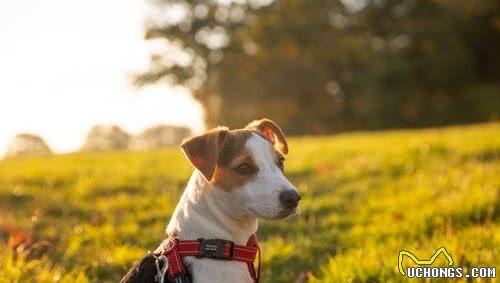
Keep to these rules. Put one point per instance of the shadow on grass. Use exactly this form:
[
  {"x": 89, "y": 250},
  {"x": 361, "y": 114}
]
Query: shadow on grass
[
  {"x": 12, "y": 200},
  {"x": 108, "y": 191},
  {"x": 41, "y": 182},
  {"x": 487, "y": 155}
]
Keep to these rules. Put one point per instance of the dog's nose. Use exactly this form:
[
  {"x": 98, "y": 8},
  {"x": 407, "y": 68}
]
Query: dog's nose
[{"x": 289, "y": 198}]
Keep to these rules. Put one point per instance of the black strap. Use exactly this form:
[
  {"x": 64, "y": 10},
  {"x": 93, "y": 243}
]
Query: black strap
[{"x": 145, "y": 271}]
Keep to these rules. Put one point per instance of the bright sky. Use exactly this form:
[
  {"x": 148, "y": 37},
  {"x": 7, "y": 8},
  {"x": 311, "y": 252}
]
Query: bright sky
[{"x": 64, "y": 67}]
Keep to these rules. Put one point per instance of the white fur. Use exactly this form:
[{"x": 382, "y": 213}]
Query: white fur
[{"x": 208, "y": 212}]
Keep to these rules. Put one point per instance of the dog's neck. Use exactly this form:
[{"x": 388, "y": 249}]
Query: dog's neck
[{"x": 198, "y": 215}]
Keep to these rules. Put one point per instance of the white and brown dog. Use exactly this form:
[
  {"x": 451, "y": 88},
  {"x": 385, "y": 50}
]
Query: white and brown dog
[{"x": 238, "y": 179}]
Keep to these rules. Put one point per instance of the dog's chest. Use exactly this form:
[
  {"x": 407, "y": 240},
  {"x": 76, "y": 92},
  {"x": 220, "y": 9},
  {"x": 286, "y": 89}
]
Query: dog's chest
[{"x": 209, "y": 270}]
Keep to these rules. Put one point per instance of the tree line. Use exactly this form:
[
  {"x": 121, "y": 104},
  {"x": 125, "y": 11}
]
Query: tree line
[{"x": 323, "y": 66}]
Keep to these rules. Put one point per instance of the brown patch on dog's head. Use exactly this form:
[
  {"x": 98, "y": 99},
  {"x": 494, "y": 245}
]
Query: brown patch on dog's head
[
  {"x": 221, "y": 157},
  {"x": 203, "y": 151},
  {"x": 272, "y": 132},
  {"x": 220, "y": 154},
  {"x": 236, "y": 165}
]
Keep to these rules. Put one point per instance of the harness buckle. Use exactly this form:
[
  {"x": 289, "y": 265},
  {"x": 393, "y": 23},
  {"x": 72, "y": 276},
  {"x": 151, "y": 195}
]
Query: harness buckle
[{"x": 214, "y": 248}]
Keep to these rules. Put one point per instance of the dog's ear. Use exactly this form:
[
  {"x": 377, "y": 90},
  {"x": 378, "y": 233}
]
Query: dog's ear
[
  {"x": 272, "y": 132},
  {"x": 203, "y": 151}
]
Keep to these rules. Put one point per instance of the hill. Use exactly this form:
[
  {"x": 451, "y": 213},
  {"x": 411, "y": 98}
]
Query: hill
[{"x": 86, "y": 217}]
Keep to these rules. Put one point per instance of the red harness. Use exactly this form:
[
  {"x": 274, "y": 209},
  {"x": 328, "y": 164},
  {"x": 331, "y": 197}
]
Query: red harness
[{"x": 175, "y": 249}]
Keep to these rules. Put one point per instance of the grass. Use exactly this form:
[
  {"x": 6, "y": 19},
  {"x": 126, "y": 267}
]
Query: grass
[{"x": 366, "y": 196}]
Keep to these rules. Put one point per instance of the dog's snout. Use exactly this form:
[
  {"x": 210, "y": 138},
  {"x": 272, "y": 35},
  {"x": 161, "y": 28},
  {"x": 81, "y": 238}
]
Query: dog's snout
[{"x": 289, "y": 198}]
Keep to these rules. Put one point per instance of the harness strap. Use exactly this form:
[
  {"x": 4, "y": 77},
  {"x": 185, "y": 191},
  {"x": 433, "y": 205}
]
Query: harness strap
[
  {"x": 252, "y": 242},
  {"x": 175, "y": 249}
]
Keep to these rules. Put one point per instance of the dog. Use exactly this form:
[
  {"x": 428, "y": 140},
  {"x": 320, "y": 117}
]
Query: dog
[{"x": 238, "y": 178}]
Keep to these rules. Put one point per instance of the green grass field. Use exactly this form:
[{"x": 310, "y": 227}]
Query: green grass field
[{"x": 366, "y": 196}]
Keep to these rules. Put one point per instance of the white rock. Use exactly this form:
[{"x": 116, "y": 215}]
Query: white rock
[
  {"x": 27, "y": 144},
  {"x": 106, "y": 138},
  {"x": 158, "y": 137}
]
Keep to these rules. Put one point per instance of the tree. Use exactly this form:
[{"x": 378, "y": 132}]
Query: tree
[{"x": 322, "y": 66}]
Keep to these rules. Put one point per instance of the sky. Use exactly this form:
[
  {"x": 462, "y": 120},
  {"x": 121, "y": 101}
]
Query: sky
[{"x": 65, "y": 66}]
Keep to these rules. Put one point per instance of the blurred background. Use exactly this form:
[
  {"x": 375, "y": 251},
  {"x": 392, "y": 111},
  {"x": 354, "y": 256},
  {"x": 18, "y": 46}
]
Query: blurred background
[
  {"x": 391, "y": 108},
  {"x": 333, "y": 66},
  {"x": 327, "y": 66}
]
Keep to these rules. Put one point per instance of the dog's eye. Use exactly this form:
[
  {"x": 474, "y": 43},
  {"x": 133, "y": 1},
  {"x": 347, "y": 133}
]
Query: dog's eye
[
  {"x": 245, "y": 168},
  {"x": 281, "y": 163}
]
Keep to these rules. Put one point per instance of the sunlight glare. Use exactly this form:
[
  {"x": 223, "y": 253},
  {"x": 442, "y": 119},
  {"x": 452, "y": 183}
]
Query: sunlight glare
[{"x": 65, "y": 67}]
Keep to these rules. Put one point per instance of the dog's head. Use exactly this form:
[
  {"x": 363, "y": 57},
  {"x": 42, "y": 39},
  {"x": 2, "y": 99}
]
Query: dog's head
[{"x": 245, "y": 167}]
